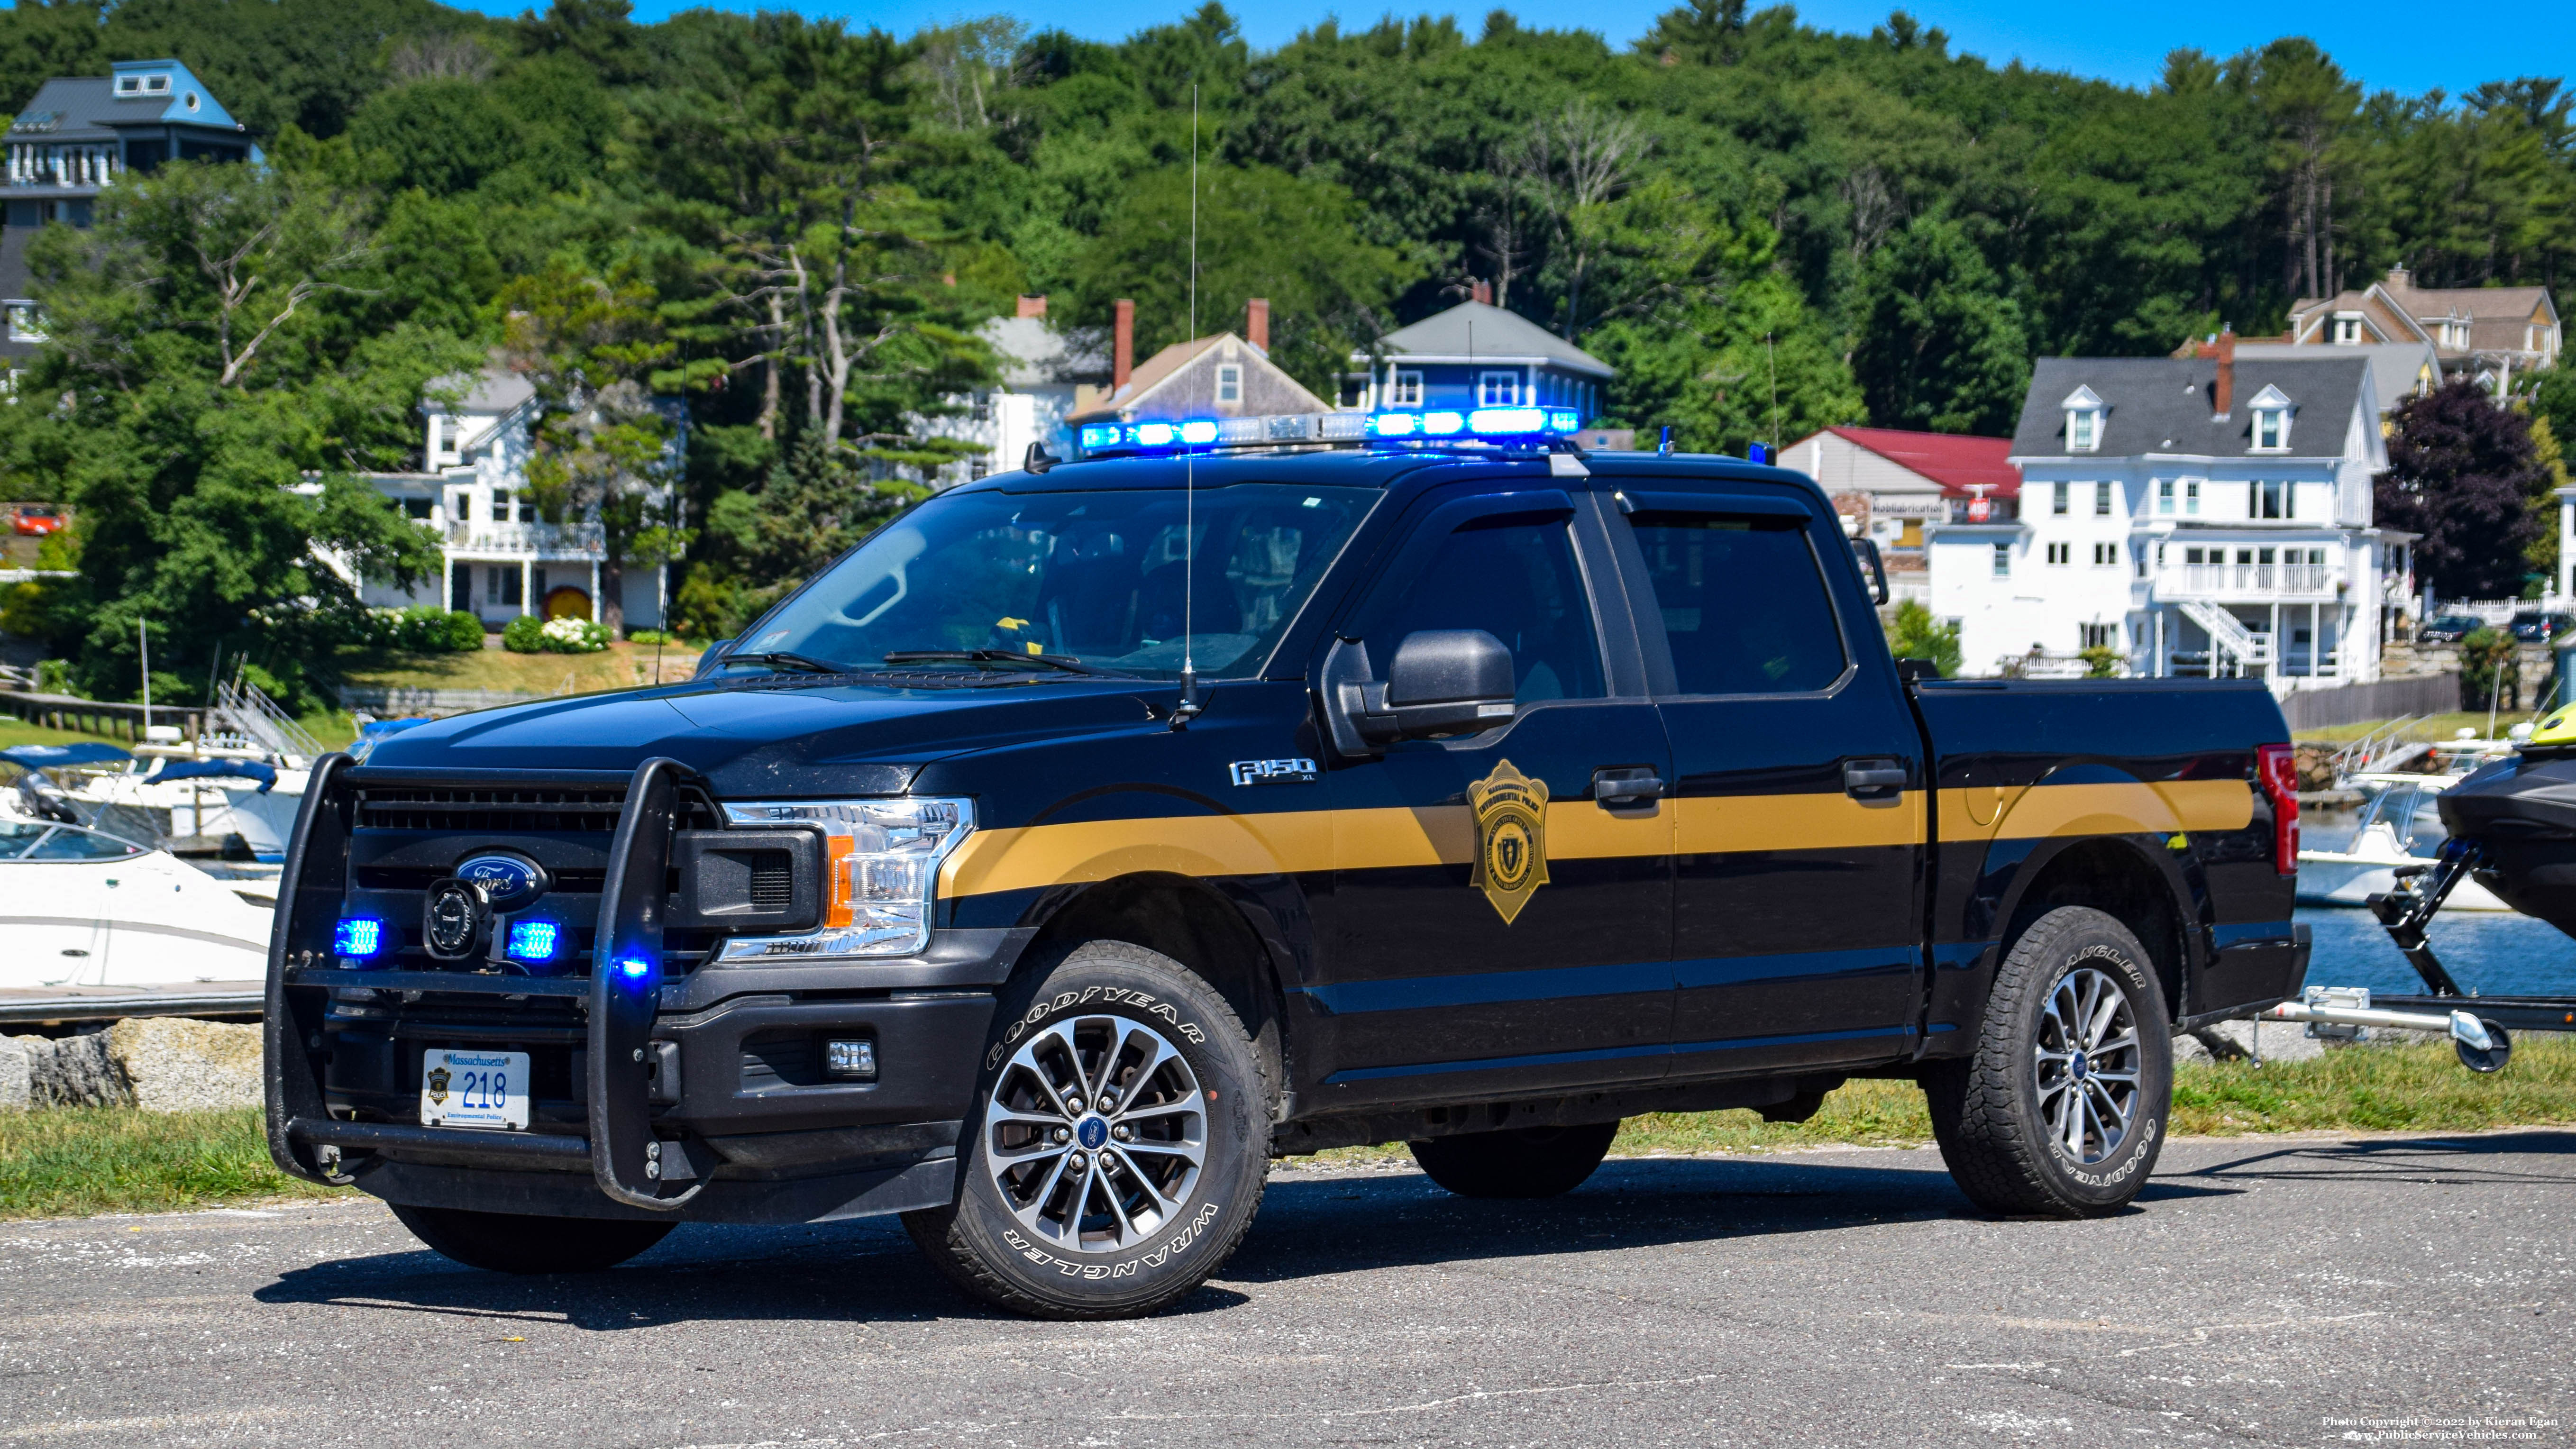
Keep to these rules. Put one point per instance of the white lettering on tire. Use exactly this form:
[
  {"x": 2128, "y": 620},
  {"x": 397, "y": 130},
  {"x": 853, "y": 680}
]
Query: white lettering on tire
[{"x": 1180, "y": 1242}]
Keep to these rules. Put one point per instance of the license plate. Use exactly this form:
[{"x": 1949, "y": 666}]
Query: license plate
[{"x": 473, "y": 1089}]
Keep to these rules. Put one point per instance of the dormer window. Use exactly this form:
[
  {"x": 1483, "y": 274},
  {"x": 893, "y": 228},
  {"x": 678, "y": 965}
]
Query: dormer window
[
  {"x": 2083, "y": 421},
  {"x": 2347, "y": 329},
  {"x": 129, "y": 85},
  {"x": 155, "y": 85},
  {"x": 2271, "y": 408}
]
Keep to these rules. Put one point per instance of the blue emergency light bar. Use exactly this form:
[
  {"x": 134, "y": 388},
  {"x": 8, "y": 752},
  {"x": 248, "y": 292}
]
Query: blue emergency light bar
[{"x": 1478, "y": 425}]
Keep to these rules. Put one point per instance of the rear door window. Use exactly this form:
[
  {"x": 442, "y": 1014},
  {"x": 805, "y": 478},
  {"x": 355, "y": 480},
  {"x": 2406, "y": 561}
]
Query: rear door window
[{"x": 1744, "y": 603}]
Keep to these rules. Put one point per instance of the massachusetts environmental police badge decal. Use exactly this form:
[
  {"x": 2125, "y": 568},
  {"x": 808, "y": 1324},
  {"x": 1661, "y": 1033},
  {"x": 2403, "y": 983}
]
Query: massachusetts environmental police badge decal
[{"x": 1511, "y": 838}]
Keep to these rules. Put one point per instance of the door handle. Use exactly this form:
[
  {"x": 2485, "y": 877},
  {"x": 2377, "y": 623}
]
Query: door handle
[
  {"x": 1626, "y": 785},
  {"x": 1869, "y": 777}
]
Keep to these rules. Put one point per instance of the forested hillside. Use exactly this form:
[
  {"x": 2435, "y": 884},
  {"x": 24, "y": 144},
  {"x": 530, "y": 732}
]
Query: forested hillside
[{"x": 800, "y": 224}]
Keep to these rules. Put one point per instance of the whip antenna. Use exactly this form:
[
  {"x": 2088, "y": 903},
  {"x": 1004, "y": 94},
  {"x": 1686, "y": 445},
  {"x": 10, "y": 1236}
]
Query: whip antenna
[{"x": 1189, "y": 705}]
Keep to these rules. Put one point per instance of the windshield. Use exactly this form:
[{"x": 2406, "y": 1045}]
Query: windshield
[{"x": 1094, "y": 577}]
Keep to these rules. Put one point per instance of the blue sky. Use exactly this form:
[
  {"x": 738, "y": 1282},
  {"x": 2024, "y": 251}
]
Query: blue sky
[{"x": 2386, "y": 46}]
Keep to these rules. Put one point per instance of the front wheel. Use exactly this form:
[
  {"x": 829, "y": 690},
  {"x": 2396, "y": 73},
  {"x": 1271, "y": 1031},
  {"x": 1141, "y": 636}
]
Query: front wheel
[
  {"x": 1120, "y": 1147},
  {"x": 2062, "y": 1109},
  {"x": 527, "y": 1243}
]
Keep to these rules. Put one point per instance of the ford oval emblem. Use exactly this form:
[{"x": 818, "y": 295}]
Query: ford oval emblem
[{"x": 508, "y": 881}]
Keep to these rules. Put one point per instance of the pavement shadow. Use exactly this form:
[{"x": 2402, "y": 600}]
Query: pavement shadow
[
  {"x": 865, "y": 1271},
  {"x": 1348, "y": 1224},
  {"x": 868, "y": 1272},
  {"x": 2433, "y": 1155}
]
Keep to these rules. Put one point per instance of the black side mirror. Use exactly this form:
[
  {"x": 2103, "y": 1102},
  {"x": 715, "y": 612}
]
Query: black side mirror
[
  {"x": 1441, "y": 682},
  {"x": 1873, "y": 572}
]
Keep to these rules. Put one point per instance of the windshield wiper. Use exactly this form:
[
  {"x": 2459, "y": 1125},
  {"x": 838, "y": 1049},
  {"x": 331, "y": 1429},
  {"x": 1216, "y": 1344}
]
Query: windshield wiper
[
  {"x": 786, "y": 662},
  {"x": 1066, "y": 662}
]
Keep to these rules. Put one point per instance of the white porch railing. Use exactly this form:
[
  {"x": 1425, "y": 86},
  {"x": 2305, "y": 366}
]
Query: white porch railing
[
  {"x": 559, "y": 540},
  {"x": 2284, "y": 581}
]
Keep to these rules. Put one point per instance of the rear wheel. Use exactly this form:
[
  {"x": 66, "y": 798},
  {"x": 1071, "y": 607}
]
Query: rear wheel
[
  {"x": 1523, "y": 1162},
  {"x": 525, "y": 1243},
  {"x": 2062, "y": 1109},
  {"x": 1120, "y": 1148}
]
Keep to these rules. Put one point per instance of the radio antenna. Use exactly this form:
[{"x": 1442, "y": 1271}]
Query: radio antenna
[{"x": 1189, "y": 706}]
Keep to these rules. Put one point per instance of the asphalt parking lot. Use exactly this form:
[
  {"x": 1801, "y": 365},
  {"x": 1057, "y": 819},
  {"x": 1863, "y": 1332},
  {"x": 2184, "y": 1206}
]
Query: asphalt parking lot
[{"x": 2264, "y": 1291}]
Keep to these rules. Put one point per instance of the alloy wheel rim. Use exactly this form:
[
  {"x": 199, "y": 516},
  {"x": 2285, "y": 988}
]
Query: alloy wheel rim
[
  {"x": 1096, "y": 1133},
  {"x": 2087, "y": 1063}
]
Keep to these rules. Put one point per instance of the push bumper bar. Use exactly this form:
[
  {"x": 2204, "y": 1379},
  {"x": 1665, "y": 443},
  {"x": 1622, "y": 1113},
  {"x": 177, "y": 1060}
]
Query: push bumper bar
[{"x": 626, "y": 1158}]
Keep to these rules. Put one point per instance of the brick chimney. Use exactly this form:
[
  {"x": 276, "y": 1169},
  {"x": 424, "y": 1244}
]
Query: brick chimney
[
  {"x": 1122, "y": 357},
  {"x": 1033, "y": 306},
  {"x": 2222, "y": 350},
  {"x": 1256, "y": 323},
  {"x": 1482, "y": 291},
  {"x": 2222, "y": 397}
]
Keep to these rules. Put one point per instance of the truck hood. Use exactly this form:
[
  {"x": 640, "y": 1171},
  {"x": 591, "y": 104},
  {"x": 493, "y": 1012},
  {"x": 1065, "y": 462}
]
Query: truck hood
[{"x": 778, "y": 740}]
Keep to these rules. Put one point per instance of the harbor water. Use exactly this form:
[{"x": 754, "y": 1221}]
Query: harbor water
[{"x": 2494, "y": 953}]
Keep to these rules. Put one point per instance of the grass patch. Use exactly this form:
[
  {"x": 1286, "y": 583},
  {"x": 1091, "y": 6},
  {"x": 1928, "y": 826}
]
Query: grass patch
[
  {"x": 14, "y": 731},
  {"x": 77, "y": 1161},
  {"x": 2433, "y": 727},
  {"x": 2361, "y": 1089},
  {"x": 620, "y": 666},
  {"x": 81, "y": 1161}
]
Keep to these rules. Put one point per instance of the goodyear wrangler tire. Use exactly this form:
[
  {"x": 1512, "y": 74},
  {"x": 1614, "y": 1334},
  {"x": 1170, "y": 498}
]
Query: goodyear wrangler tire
[
  {"x": 1118, "y": 1149},
  {"x": 526, "y": 1243},
  {"x": 2062, "y": 1109}
]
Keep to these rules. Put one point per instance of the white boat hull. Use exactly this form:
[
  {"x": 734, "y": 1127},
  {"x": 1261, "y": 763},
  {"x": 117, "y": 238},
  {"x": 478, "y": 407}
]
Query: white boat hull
[{"x": 145, "y": 920}]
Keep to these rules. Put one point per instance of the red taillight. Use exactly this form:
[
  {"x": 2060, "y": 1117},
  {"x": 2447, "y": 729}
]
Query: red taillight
[{"x": 2277, "y": 766}]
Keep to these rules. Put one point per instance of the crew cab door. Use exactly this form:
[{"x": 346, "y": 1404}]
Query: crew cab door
[
  {"x": 1799, "y": 817},
  {"x": 1461, "y": 967}
]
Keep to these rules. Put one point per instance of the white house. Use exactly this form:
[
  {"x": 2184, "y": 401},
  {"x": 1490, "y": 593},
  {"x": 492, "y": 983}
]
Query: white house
[
  {"x": 2208, "y": 515},
  {"x": 1889, "y": 485},
  {"x": 1040, "y": 373},
  {"x": 501, "y": 559}
]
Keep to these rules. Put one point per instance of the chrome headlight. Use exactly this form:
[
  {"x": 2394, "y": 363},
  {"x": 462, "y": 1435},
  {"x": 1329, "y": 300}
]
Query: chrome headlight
[{"x": 881, "y": 863}]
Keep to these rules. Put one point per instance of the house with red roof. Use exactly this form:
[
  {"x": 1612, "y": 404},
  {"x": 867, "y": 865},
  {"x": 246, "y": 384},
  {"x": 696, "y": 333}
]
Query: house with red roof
[{"x": 1887, "y": 484}]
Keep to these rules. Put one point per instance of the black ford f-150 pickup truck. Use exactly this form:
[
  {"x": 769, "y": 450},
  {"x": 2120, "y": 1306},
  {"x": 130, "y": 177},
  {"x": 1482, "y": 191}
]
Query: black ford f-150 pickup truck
[{"x": 1511, "y": 791}]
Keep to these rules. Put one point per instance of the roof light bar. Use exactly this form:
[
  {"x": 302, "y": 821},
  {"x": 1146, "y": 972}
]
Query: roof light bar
[{"x": 1499, "y": 425}]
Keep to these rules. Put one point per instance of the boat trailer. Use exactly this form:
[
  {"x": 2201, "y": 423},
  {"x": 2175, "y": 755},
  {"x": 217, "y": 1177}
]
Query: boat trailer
[{"x": 2480, "y": 1027}]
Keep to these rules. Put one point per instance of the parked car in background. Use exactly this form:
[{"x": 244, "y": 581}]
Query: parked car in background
[
  {"x": 35, "y": 520},
  {"x": 2448, "y": 629},
  {"x": 2533, "y": 626}
]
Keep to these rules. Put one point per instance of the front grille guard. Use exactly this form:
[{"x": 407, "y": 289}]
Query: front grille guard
[{"x": 626, "y": 1159}]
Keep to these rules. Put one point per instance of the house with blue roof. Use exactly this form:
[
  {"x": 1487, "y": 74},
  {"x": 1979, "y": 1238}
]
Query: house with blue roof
[
  {"x": 74, "y": 140},
  {"x": 1477, "y": 355}
]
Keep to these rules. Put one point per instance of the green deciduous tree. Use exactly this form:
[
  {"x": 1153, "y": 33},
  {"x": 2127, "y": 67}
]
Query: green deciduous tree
[
  {"x": 203, "y": 408},
  {"x": 1941, "y": 345},
  {"x": 1261, "y": 233}
]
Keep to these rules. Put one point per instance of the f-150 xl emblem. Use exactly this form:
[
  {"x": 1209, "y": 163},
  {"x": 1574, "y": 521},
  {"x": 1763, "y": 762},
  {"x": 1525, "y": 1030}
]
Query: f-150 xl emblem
[
  {"x": 1511, "y": 838},
  {"x": 1272, "y": 772}
]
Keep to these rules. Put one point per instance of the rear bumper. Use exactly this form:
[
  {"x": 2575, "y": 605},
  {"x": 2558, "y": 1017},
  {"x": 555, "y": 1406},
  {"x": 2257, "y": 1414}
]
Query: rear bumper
[{"x": 703, "y": 1097}]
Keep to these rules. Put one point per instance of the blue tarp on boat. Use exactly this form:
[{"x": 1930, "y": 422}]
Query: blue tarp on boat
[
  {"x": 170, "y": 770},
  {"x": 45, "y": 757}
]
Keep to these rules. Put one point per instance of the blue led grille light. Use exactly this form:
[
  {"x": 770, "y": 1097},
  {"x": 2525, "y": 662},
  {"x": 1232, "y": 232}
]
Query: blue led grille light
[
  {"x": 634, "y": 968},
  {"x": 535, "y": 940},
  {"x": 358, "y": 937}
]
